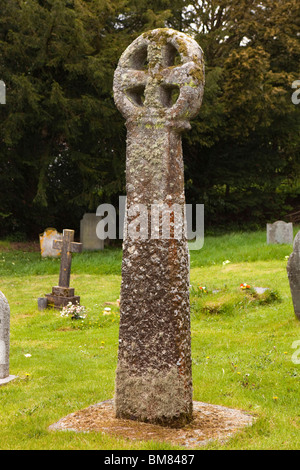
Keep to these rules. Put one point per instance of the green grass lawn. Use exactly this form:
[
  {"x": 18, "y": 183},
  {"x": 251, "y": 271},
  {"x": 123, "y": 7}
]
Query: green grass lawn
[{"x": 241, "y": 344}]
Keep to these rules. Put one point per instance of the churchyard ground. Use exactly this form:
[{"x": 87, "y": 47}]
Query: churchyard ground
[{"x": 243, "y": 345}]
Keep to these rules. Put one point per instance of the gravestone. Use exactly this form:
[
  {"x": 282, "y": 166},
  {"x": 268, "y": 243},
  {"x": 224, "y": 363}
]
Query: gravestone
[
  {"x": 158, "y": 87},
  {"x": 2, "y": 92},
  {"x": 4, "y": 340},
  {"x": 63, "y": 294},
  {"x": 280, "y": 232},
  {"x": 293, "y": 272},
  {"x": 88, "y": 235},
  {"x": 46, "y": 243}
]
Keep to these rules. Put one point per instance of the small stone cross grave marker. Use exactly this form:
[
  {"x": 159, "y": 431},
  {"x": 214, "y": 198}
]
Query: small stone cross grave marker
[
  {"x": 158, "y": 87},
  {"x": 293, "y": 272},
  {"x": 63, "y": 294}
]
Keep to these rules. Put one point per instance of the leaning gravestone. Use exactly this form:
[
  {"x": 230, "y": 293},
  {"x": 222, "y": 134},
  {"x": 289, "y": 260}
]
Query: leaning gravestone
[
  {"x": 158, "y": 87},
  {"x": 4, "y": 340},
  {"x": 46, "y": 243},
  {"x": 280, "y": 232},
  {"x": 62, "y": 294},
  {"x": 88, "y": 235},
  {"x": 293, "y": 271}
]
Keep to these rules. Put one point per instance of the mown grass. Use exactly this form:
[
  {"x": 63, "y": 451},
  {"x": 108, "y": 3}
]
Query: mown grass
[{"x": 241, "y": 344}]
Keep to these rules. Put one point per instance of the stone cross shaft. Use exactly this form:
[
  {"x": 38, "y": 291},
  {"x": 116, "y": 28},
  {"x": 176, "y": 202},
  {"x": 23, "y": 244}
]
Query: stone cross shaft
[
  {"x": 293, "y": 272},
  {"x": 63, "y": 294},
  {"x": 67, "y": 246},
  {"x": 158, "y": 87}
]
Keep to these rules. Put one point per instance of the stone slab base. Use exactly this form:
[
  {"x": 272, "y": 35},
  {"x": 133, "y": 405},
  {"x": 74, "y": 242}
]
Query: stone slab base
[
  {"x": 210, "y": 423},
  {"x": 57, "y": 301},
  {"x": 7, "y": 379}
]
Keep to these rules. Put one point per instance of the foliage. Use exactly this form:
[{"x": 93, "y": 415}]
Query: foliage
[
  {"x": 63, "y": 141},
  {"x": 243, "y": 152}
]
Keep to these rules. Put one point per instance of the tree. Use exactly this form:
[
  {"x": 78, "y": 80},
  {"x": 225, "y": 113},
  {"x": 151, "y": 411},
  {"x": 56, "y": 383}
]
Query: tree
[
  {"x": 57, "y": 59},
  {"x": 246, "y": 139},
  {"x": 62, "y": 140}
]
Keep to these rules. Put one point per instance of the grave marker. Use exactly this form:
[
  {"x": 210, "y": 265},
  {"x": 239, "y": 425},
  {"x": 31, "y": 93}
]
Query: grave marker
[
  {"x": 88, "y": 235},
  {"x": 2, "y": 92},
  {"x": 46, "y": 243},
  {"x": 63, "y": 294},
  {"x": 158, "y": 87},
  {"x": 4, "y": 340},
  {"x": 280, "y": 232}
]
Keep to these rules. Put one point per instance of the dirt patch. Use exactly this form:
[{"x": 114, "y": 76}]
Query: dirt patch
[{"x": 210, "y": 422}]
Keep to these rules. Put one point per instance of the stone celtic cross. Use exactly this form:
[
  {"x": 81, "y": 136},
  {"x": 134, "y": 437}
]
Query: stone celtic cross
[
  {"x": 62, "y": 294},
  {"x": 293, "y": 272},
  {"x": 158, "y": 87}
]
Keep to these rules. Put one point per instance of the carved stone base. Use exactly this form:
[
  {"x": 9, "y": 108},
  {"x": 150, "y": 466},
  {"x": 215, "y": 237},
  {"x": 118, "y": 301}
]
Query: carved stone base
[
  {"x": 61, "y": 296},
  {"x": 8, "y": 379}
]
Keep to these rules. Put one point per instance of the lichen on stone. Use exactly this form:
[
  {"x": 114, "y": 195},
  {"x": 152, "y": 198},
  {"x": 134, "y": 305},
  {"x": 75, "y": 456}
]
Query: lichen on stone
[
  {"x": 153, "y": 378},
  {"x": 159, "y": 397}
]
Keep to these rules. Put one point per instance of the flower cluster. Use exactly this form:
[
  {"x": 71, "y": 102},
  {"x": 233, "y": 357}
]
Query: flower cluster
[
  {"x": 73, "y": 310},
  {"x": 203, "y": 289},
  {"x": 244, "y": 286}
]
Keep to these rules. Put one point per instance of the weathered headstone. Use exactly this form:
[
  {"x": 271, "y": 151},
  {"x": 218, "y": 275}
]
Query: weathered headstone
[
  {"x": 46, "y": 243},
  {"x": 42, "y": 303},
  {"x": 280, "y": 232},
  {"x": 63, "y": 294},
  {"x": 158, "y": 87},
  {"x": 88, "y": 235},
  {"x": 293, "y": 272},
  {"x": 2, "y": 92},
  {"x": 4, "y": 340}
]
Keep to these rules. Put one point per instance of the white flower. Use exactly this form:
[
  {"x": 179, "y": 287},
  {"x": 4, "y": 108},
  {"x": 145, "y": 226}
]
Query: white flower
[
  {"x": 27, "y": 355},
  {"x": 75, "y": 310},
  {"x": 226, "y": 262}
]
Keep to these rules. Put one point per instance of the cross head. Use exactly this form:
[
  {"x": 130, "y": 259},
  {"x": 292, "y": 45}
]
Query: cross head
[{"x": 160, "y": 73}]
